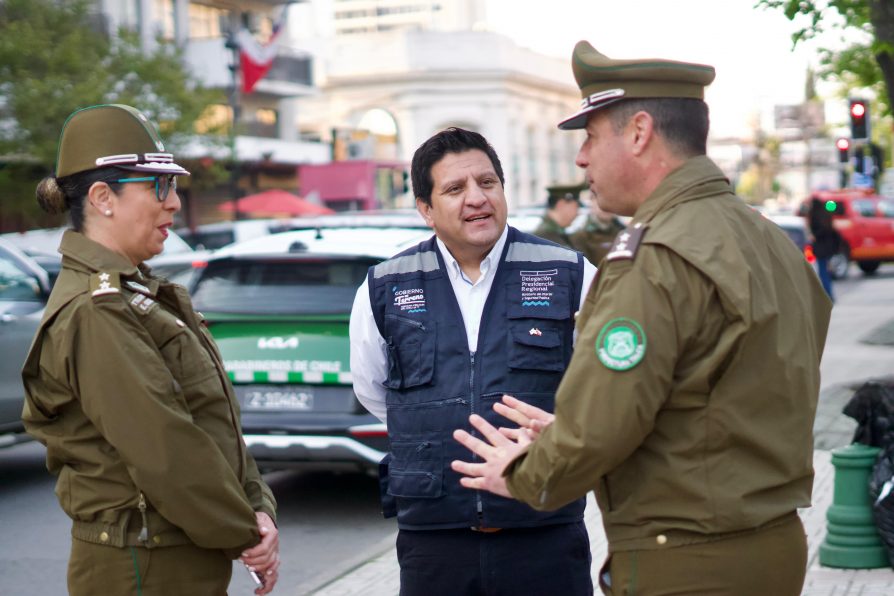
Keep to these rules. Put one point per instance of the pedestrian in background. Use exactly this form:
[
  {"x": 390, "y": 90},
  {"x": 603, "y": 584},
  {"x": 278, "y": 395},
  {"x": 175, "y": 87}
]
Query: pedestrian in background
[
  {"x": 562, "y": 206},
  {"x": 445, "y": 328},
  {"x": 597, "y": 235},
  {"x": 688, "y": 405},
  {"x": 826, "y": 241},
  {"x": 126, "y": 388}
]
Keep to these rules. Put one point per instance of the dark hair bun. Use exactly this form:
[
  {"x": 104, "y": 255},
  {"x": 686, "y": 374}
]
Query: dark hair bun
[{"x": 50, "y": 197}]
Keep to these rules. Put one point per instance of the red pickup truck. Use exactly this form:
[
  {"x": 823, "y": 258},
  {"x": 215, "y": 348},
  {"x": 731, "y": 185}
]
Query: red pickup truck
[{"x": 865, "y": 221}]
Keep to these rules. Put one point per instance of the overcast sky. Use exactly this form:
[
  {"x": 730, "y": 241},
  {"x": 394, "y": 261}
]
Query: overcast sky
[{"x": 750, "y": 48}]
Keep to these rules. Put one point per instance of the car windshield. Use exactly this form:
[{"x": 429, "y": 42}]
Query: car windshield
[
  {"x": 866, "y": 208},
  {"x": 15, "y": 284},
  {"x": 886, "y": 207},
  {"x": 280, "y": 286}
]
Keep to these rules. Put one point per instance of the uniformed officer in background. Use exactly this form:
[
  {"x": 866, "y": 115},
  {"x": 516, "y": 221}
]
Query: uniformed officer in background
[
  {"x": 689, "y": 403},
  {"x": 127, "y": 390},
  {"x": 597, "y": 235},
  {"x": 562, "y": 206}
]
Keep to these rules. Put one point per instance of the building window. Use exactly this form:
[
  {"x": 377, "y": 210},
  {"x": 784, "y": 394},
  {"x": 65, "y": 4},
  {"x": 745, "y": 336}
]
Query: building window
[
  {"x": 204, "y": 21},
  {"x": 265, "y": 116},
  {"x": 215, "y": 118},
  {"x": 163, "y": 17}
]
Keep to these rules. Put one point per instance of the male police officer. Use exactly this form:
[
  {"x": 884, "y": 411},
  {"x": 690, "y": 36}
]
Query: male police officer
[
  {"x": 444, "y": 329},
  {"x": 562, "y": 206},
  {"x": 688, "y": 405}
]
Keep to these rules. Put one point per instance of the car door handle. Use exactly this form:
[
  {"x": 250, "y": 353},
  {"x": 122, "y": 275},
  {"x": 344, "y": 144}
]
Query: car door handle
[{"x": 7, "y": 318}]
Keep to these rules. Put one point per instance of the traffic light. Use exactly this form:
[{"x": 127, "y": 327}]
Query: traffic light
[
  {"x": 859, "y": 113},
  {"x": 844, "y": 147}
]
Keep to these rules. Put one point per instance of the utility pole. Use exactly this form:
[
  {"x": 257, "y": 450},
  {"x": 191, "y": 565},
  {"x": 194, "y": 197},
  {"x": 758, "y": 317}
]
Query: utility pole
[{"x": 236, "y": 110}]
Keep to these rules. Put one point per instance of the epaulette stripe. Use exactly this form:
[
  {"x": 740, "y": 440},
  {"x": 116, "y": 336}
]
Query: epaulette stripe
[
  {"x": 627, "y": 243},
  {"x": 538, "y": 253},
  {"x": 423, "y": 261}
]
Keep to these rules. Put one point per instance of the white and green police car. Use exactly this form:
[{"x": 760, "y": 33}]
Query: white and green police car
[{"x": 278, "y": 308}]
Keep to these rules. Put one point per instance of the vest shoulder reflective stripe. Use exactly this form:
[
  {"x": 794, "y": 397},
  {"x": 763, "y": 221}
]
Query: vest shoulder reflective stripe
[
  {"x": 538, "y": 253},
  {"x": 420, "y": 261}
]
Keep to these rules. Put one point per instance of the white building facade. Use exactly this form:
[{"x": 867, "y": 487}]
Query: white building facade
[{"x": 428, "y": 80}]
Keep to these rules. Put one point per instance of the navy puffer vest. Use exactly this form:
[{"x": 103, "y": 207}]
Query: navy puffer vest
[{"x": 434, "y": 383}]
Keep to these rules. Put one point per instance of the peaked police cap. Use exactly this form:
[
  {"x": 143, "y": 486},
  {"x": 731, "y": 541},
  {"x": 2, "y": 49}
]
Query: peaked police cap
[
  {"x": 112, "y": 135},
  {"x": 604, "y": 81}
]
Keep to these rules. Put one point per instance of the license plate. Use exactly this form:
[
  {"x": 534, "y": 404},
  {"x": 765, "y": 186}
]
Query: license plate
[{"x": 271, "y": 399}]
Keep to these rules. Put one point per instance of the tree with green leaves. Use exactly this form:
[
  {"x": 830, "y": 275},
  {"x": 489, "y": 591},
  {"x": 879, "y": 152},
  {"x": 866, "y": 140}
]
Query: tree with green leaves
[
  {"x": 868, "y": 63},
  {"x": 56, "y": 57}
]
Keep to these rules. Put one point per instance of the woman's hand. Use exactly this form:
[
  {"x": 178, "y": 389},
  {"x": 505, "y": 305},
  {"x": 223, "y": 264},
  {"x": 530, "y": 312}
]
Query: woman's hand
[{"x": 263, "y": 558}]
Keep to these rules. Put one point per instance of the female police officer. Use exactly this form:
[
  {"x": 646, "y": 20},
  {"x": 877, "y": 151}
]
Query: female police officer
[{"x": 127, "y": 390}]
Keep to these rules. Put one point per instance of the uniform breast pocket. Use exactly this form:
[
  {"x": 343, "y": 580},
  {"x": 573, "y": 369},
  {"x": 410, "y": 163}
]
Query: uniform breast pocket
[
  {"x": 536, "y": 345},
  {"x": 182, "y": 351},
  {"x": 411, "y": 352}
]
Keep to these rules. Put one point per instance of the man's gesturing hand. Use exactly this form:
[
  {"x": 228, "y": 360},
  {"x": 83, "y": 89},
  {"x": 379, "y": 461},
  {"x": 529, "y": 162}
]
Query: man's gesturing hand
[
  {"x": 497, "y": 452},
  {"x": 530, "y": 419}
]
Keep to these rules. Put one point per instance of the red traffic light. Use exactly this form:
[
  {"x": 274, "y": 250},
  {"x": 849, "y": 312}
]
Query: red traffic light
[
  {"x": 843, "y": 144},
  {"x": 858, "y": 109}
]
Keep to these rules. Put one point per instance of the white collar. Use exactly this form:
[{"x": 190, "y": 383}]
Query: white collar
[{"x": 487, "y": 263}]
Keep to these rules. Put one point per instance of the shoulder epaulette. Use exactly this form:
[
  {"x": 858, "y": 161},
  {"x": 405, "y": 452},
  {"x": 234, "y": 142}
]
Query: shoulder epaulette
[
  {"x": 102, "y": 283},
  {"x": 627, "y": 243}
]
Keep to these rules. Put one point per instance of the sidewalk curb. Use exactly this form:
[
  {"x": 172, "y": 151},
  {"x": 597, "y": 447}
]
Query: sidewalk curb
[{"x": 346, "y": 567}]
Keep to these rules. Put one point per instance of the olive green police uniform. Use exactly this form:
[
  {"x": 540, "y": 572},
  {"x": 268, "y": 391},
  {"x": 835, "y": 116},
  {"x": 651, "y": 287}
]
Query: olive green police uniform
[
  {"x": 689, "y": 401},
  {"x": 550, "y": 230},
  {"x": 127, "y": 390},
  {"x": 595, "y": 238},
  {"x": 125, "y": 387}
]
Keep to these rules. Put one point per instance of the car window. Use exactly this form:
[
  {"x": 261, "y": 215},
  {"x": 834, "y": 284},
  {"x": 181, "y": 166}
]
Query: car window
[
  {"x": 214, "y": 240},
  {"x": 796, "y": 234},
  {"x": 249, "y": 286},
  {"x": 865, "y": 208},
  {"x": 886, "y": 208},
  {"x": 16, "y": 284}
]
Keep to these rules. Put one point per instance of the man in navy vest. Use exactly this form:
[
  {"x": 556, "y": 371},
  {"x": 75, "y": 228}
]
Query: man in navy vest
[{"x": 443, "y": 330}]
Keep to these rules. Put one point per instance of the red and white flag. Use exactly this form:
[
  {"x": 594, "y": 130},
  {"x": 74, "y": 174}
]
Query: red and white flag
[{"x": 256, "y": 59}]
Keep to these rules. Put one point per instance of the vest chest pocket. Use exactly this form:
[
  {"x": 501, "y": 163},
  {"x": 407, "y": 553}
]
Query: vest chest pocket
[
  {"x": 411, "y": 352},
  {"x": 416, "y": 469},
  {"x": 536, "y": 345}
]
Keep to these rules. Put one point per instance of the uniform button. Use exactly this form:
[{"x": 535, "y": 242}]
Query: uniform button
[
  {"x": 661, "y": 539},
  {"x": 104, "y": 536},
  {"x": 156, "y": 539},
  {"x": 180, "y": 323}
]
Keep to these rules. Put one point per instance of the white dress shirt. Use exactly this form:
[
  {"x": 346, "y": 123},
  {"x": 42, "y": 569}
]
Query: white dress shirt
[{"x": 369, "y": 360}]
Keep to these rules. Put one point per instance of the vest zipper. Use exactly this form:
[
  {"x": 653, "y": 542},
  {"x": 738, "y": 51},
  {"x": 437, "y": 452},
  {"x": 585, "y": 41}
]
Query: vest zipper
[{"x": 479, "y": 506}]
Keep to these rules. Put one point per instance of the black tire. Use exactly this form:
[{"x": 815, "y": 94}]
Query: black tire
[
  {"x": 839, "y": 264},
  {"x": 869, "y": 267}
]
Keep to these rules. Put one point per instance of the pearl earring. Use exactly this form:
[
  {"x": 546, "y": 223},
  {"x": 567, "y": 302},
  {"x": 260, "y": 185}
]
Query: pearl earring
[{"x": 108, "y": 212}]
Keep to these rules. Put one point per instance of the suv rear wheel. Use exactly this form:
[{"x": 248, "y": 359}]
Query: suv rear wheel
[
  {"x": 869, "y": 267},
  {"x": 839, "y": 264}
]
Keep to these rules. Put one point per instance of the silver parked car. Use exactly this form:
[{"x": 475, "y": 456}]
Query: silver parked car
[{"x": 24, "y": 289}]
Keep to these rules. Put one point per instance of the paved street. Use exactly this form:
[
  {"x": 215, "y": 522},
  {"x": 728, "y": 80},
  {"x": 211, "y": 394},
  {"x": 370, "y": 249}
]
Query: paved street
[
  {"x": 324, "y": 520},
  {"x": 335, "y": 542}
]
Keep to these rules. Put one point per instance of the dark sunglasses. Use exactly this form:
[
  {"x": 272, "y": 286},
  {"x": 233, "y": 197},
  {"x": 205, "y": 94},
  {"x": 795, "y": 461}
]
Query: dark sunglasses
[{"x": 164, "y": 184}]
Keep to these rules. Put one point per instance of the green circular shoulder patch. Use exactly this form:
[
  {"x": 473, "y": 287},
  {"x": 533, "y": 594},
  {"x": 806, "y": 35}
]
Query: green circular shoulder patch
[{"x": 621, "y": 344}]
